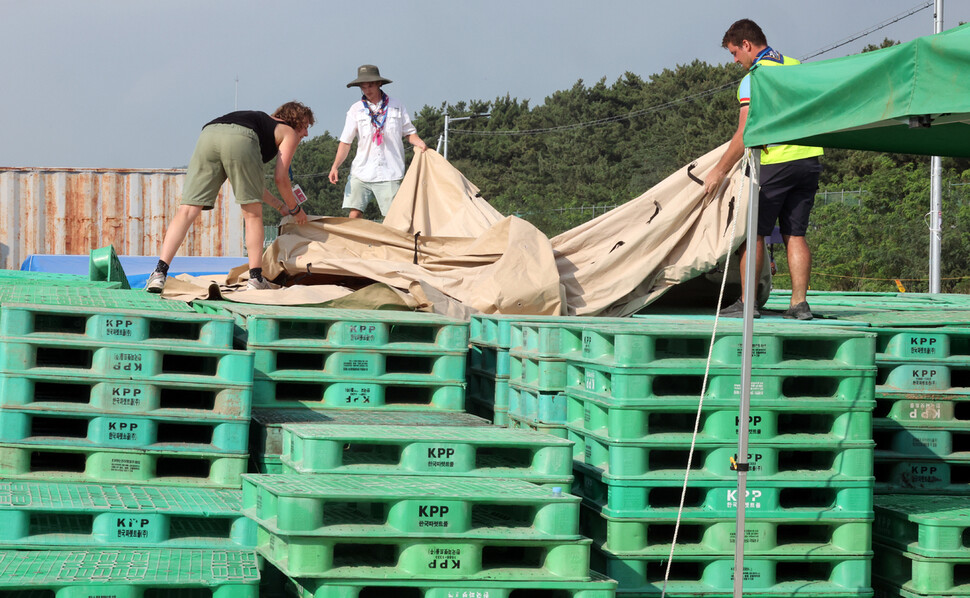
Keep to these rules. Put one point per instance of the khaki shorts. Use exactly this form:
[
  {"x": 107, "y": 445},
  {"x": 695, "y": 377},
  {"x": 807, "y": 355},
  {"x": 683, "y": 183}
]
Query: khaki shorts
[
  {"x": 357, "y": 194},
  {"x": 224, "y": 151}
]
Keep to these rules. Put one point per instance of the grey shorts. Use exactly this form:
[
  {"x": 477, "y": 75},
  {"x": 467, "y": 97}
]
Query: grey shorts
[
  {"x": 224, "y": 151},
  {"x": 358, "y": 193}
]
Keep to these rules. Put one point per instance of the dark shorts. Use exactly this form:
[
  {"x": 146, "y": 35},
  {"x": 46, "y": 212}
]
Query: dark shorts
[{"x": 787, "y": 196}]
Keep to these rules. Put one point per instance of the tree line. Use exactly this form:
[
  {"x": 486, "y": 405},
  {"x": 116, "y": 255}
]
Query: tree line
[{"x": 645, "y": 129}]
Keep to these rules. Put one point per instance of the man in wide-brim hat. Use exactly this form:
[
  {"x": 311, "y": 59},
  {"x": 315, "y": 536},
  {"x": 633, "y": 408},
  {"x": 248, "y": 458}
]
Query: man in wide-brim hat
[{"x": 379, "y": 123}]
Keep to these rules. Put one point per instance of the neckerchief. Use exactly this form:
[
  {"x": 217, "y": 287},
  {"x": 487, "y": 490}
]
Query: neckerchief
[{"x": 377, "y": 118}]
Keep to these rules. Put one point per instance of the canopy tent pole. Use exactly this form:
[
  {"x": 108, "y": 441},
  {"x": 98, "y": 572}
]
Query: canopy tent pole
[
  {"x": 936, "y": 187},
  {"x": 750, "y": 292}
]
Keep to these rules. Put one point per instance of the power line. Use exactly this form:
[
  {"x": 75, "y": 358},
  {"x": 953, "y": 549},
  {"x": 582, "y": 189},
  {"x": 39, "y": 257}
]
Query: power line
[
  {"x": 601, "y": 121},
  {"x": 609, "y": 119},
  {"x": 870, "y": 30}
]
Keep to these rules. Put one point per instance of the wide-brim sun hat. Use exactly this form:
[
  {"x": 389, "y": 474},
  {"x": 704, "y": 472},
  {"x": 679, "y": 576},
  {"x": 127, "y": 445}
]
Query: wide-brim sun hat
[{"x": 367, "y": 73}]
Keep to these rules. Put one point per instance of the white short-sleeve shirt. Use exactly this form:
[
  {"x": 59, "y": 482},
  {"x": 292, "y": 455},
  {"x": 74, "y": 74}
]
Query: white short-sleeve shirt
[{"x": 375, "y": 163}]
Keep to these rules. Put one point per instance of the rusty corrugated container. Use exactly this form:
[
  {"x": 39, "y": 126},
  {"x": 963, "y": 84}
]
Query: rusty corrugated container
[{"x": 75, "y": 210}]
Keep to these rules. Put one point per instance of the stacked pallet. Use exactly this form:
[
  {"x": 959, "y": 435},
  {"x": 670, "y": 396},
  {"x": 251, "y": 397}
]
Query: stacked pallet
[
  {"x": 921, "y": 546},
  {"x": 632, "y": 408},
  {"x": 350, "y": 366},
  {"x": 540, "y": 349},
  {"x": 351, "y": 359},
  {"x": 266, "y": 434},
  {"x": 507, "y": 358},
  {"x": 123, "y": 436},
  {"x": 438, "y": 510},
  {"x": 488, "y": 366},
  {"x": 921, "y": 426},
  {"x": 923, "y": 410},
  {"x": 108, "y": 395}
]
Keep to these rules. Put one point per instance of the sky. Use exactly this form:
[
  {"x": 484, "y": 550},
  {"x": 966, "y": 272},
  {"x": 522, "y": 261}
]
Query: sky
[{"x": 128, "y": 84}]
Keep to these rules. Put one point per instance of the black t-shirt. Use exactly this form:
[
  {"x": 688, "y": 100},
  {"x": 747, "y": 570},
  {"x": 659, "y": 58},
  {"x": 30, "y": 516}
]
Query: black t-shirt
[{"x": 263, "y": 124}]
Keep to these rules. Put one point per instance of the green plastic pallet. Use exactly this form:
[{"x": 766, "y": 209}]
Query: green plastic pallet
[
  {"x": 883, "y": 590},
  {"x": 489, "y": 361},
  {"x": 555, "y": 430},
  {"x": 94, "y": 430},
  {"x": 714, "y": 575},
  {"x": 922, "y": 344},
  {"x": 929, "y": 526},
  {"x": 500, "y": 418},
  {"x": 431, "y": 450},
  {"x": 383, "y": 366},
  {"x": 371, "y": 506},
  {"x": 920, "y": 575},
  {"x": 484, "y": 410},
  {"x": 689, "y": 344},
  {"x": 173, "y": 573},
  {"x": 139, "y": 362},
  {"x": 266, "y": 464},
  {"x": 127, "y": 326},
  {"x": 163, "y": 396},
  {"x": 428, "y": 558},
  {"x": 497, "y": 330},
  {"x": 287, "y": 326},
  {"x": 544, "y": 374},
  {"x": 892, "y": 441},
  {"x": 299, "y": 391},
  {"x": 112, "y": 466},
  {"x": 51, "y": 515},
  {"x": 532, "y": 404},
  {"x": 671, "y": 422},
  {"x": 598, "y": 587},
  {"x": 716, "y": 537},
  {"x": 935, "y": 316},
  {"x": 491, "y": 390},
  {"x": 660, "y": 499},
  {"x": 804, "y": 460},
  {"x": 832, "y": 317},
  {"x": 266, "y": 433},
  {"x": 921, "y": 476},
  {"x": 911, "y": 379},
  {"x": 925, "y": 412},
  {"x": 561, "y": 340},
  {"x": 849, "y": 385},
  {"x": 32, "y": 278},
  {"x": 103, "y": 264},
  {"x": 88, "y": 296},
  {"x": 496, "y": 416}
]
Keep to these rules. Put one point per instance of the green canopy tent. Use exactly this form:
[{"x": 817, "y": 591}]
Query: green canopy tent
[{"x": 911, "y": 98}]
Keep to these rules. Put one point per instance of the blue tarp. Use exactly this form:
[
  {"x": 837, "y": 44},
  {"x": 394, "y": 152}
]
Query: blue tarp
[{"x": 137, "y": 268}]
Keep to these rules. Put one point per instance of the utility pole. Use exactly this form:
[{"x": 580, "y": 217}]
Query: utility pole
[
  {"x": 936, "y": 187},
  {"x": 449, "y": 120},
  {"x": 235, "y": 100}
]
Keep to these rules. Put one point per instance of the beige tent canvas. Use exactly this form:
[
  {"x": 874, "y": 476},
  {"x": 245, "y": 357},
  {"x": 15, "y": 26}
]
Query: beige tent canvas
[
  {"x": 620, "y": 262},
  {"x": 443, "y": 248}
]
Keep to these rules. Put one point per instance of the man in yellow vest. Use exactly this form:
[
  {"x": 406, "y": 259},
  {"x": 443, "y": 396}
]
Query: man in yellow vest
[{"x": 789, "y": 174}]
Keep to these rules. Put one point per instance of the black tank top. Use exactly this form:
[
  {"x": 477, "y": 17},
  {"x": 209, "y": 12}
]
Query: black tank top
[{"x": 263, "y": 124}]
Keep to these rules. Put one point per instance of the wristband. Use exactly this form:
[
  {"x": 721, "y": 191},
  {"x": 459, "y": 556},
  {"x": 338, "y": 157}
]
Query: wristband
[{"x": 295, "y": 210}]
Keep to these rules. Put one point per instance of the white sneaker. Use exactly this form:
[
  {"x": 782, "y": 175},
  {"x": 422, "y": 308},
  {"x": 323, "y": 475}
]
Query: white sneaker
[
  {"x": 257, "y": 285},
  {"x": 156, "y": 282}
]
